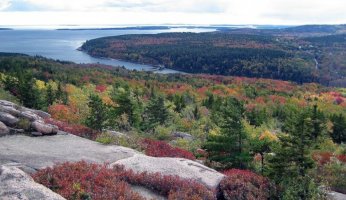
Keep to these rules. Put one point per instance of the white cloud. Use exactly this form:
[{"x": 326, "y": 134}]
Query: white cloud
[
  {"x": 4, "y": 4},
  {"x": 174, "y": 11}
]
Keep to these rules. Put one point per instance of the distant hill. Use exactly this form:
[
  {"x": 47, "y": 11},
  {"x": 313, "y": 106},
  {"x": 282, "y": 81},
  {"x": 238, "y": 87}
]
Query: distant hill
[{"x": 290, "y": 53}]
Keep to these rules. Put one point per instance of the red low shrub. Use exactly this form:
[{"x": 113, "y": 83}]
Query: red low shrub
[
  {"x": 100, "y": 88},
  {"x": 171, "y": 186},
  {"x": 82, "y": 180},
  {"x": 341, "y": 158},
  {"x": 75, "y": 129},
  {"x": 162, "y": 149},
  {"x": 244, "y": 185},
  {"x": 322, "y": 158}
]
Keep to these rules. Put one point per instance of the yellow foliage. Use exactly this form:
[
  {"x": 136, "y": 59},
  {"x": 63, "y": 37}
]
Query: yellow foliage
[
  {"x": 53, "y": 84},
  {"x": 268, "y": 135},
  {"x": 41, "y": 85},
  {"x": 108, "y": 101},
  {"x": 214, "y": 131}
]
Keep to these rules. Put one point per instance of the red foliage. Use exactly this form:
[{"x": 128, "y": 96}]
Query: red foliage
[
  {"x": 244, "y": 185},
  {"x": 171, "y": 186},
  {"x": 322, "y": 157},
  {"x": 277, "y": 99},
  {"x": 80, "y": 180},
  {"x": 162, "y": 149},
  {"x": 100, "y": 88},
  {"x": 341, "y": 158},
  {"x": 86, "y": 79},
  {"x": 339, "y": 100},
  {"x": 74, "y": 129},
  {"x": 260, "y": 100},
  {"x": 63, "y": 112}
]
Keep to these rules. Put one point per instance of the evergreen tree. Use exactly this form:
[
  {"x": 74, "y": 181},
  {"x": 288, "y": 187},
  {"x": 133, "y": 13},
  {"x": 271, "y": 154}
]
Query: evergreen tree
[
  {"x": 127, "y": 104},
  {"x": 98, "y": 113},
  {"x": 291, "y": 159},
  {"x": 61, "y": 95},
  {"x": 228, "y": 147},
  {"x": 338, "y": 133},
  {"x": 50, "y": 96},
  {"x": 27, "y": 93},
  {"x": 318, "y": 121},
  {"x": 156, "y": 113},
  {"x": 196, "y": 113}
]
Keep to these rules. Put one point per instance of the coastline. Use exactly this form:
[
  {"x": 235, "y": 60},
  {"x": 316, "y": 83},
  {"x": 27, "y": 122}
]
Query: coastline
[{"x": 154, "y": 67}]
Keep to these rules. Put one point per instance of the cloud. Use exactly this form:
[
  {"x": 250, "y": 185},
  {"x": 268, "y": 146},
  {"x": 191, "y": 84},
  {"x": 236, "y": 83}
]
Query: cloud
[
  {"x": 107, "y": 5},
  {"x": 174, "y": 11},
  {"x": 4, "y": 4}
]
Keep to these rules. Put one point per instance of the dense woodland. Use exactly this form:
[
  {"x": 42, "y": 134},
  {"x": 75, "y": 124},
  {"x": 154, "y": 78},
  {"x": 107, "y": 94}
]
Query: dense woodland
[
  {"x": 300, "y": 54},
  {"x": 282, "y": 139}
]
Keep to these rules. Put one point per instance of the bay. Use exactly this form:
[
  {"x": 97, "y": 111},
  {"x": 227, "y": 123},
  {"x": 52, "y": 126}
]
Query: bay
[{"x": 63, "y": 44}]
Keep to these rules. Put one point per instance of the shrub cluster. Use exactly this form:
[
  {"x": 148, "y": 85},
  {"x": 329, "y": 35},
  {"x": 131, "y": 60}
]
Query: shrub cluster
[
  {"x": 75, "y": 129},
  {"x": 82, "y": 180},
  {"x": 323, "y": 158},
  {"x": 162, "y": 149},
  {"x": 244, "y": 185}
]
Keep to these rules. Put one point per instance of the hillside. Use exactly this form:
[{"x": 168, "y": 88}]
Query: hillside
[
  {"x": 285, "y": 54},
  {"x": 272, "y": 135}
]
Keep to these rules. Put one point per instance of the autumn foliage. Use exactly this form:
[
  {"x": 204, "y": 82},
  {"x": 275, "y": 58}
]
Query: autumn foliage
[
  {"x": 323, "y": 158},
  {"x": 83, "y": 180},
  {"x": 244, "y": 185},
  {"x": 75, "y": 129},
  {"x": 162, "y": 149}
]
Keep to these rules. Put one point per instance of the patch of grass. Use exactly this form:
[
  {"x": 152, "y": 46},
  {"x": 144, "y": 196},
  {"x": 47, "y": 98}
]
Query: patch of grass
[{"x": 5, "y": 95}]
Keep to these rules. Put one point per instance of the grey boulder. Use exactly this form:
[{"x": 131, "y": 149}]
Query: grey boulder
[
  {"x": 181, "y": 167},
  {"x": 30, "y": 116},
  {"x": 8, "y": 119},
  {"x": 17, "y": 185},
  {"x": 36, "y": 113},
  {"x": 3, "y": 129},
  {"x": 45, "y": 129},
  {"x": 182, "y": 135}
]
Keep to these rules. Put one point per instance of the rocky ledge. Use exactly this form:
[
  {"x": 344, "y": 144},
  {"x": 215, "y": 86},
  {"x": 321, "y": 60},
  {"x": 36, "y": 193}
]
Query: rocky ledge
[
  {"x": 17, "y": 185},
  {"x": 15, "y": 119},
  {"x": 21, "y": 152}
]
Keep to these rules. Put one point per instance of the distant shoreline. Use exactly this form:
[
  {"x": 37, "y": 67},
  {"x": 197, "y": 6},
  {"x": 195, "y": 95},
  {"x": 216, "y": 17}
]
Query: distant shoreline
[{"x": 117, "y": 28}]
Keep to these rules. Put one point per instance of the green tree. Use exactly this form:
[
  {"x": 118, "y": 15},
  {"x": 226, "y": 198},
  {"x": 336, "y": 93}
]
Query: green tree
[
  {"x": 21, "y": 84},
  {"x": 227, "y": 147},
  {"x": 338, "y": 132},
  {"x": 127, "y": 104},
  {"x": 61, "y": 94},
  {"x": 98, "y": 113},
  {"x": 291, "y": 159},
  {"x": 50, "y": 96},
  {"x": 156, "y": 112}
]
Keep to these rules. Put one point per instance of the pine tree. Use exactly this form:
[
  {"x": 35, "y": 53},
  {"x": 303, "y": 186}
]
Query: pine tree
[
  {"x": 227, "y": 148},
  {"x": 50, "y": 96},
  {"x": 127, "y": 104},
  {"x": 98, "y": 113},
  {"x": 291, "y": 159},
  {"x": 156, "y": 112},
  {"x": 61, "y": 95},
  {"x": 338, "y": 133}
]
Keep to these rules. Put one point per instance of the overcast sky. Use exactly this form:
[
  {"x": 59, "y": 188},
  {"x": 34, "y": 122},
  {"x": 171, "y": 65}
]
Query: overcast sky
[{"x": 125, "y": 12}]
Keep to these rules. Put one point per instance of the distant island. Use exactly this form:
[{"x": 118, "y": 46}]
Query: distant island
[
  {"x": 300, "y": 54},
  {"x": 119, "y": 28},
  {"x": 5, "y": 29}
]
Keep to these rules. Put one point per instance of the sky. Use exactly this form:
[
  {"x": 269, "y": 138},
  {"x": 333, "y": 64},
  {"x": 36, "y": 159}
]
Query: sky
[{"x": 154, "y": 12}]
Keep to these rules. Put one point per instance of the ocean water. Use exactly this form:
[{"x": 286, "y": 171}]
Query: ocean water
[{"x": 63, "y": 44}]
